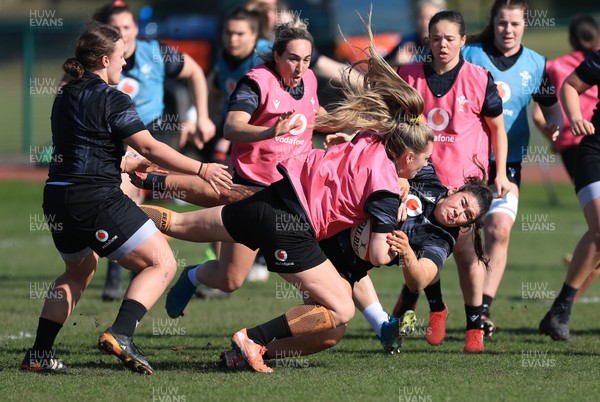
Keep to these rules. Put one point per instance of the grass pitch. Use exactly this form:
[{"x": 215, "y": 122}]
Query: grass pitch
[{"x": 519, "y": 364}]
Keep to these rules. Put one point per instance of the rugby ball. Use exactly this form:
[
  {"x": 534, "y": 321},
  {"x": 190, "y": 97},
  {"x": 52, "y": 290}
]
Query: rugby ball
[{"x": 359, "y": 237}]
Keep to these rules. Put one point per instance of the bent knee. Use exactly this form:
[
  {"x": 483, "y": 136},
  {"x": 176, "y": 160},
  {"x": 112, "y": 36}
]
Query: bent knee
[
  {"x": 498, "y": 234},
  {"x": 168, "y": 265},
  {"x": 343, "y": 314},
  {"x": 231, "y": 284}
]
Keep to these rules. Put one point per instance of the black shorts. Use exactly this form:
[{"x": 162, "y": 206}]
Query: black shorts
[
  {"x": 569, "y": 158},
  {"x": 587, "y": 167},
  {"x": 100, "y": 218},
  {"x": 513, "y": 173},
  {"x": 338, "y": 250},
  {"x": 285, "y": 238}
]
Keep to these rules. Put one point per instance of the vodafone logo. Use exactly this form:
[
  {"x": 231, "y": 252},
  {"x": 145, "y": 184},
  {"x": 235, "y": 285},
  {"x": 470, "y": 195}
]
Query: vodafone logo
[
  {"x": 503, "y": 90},
  {"x": 129, "y": 86},
  {"x": 101, "y": 235},
  {"x": 303, "y": 126},
  {"x": 280, "y": 255},
  {"x": 438, "y": 119},
  {"x": 414, "y": 207}
]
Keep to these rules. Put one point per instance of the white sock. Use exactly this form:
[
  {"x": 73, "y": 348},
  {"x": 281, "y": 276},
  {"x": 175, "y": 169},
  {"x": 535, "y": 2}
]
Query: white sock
[
  {"x": 192, "y": 276},
  {"x": 375, "y": 316}
]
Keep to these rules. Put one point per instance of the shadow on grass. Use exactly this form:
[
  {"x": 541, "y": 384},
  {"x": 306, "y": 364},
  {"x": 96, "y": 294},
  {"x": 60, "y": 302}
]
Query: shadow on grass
[
  {"x": 456, "y": 348},
  {"x": 196, "y": 366}
]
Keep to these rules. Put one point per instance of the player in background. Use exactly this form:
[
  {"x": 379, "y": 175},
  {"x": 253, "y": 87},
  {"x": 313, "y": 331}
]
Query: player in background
[
  {"x": 584, "y": 37},
  {"x": 464, "y": 109},
  {"x": 270, "y": 118},
  {"x": 240, "y": 51},
  {"x": 414, "y": 46},
  {"x": 586, "y": 258},
  {"x": 276, "y": 12},
  {"x": 520, "y": 75}
]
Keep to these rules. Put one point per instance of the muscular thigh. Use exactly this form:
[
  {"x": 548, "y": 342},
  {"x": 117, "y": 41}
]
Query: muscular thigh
[
  {"x": 154, "y": 251},
  {"x": 323, "y": 285}
]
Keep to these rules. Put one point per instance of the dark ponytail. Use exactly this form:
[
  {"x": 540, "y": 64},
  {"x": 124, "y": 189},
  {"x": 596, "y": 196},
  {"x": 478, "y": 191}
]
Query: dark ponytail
[
  {"x": 73, "y": 68},
  {"x": 477, "y": 186}
]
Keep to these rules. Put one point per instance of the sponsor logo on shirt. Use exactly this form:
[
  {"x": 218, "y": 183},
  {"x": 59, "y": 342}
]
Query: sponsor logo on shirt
[
  {"x": 130, "y": 86},
  {"x": 503, "y": 90},
  {"x": 525, "y": 78},
  {"x": 302, "y": 119},
  {"x": 438, "y": 119},
  {"x": 462, "y": 101},
  {"x": 414, "y": 207}
]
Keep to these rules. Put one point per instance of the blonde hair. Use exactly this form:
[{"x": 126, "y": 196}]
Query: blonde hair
[{"x": 384, "y": 103}]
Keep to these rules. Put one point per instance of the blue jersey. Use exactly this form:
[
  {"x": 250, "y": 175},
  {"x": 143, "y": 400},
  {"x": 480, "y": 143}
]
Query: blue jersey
[
  {"x": 229, "y": 72},
  {"x": 144, "y": 83},
  {"x": 516, "y": 86},
  {"x": 426, "y": 237}
]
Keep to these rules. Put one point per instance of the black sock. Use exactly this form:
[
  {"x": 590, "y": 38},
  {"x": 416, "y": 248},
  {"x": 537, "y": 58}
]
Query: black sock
[
  {"x": 487, "y": 304},
  {"x": 434, "y": 296},
  {"x": 406, "y": 301},
  {"x": 473, "y": 316},
  {"x": 46, "y": 334},
  {"x": 130, "y": 315},
  {"x": 277, "y": 328},
  {"x": 564, "y": 300}
]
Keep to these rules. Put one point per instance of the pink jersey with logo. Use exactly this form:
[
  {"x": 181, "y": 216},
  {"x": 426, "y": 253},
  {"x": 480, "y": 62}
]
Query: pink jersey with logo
[
  {"x": 333, "y": 185},
  {"x": 257, "y": 161},
  {"x": 558, "y": 70},
  {"x": 455, "y": 119}
]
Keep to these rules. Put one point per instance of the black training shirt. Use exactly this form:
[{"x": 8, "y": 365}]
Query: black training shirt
[{"x": 89, "y": 120}]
